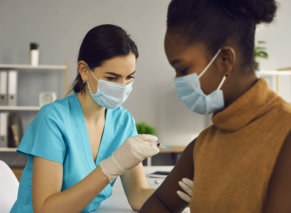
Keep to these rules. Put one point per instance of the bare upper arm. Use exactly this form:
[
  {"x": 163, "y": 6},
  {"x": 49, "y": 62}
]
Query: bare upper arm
[
  {"x": 279, "y": 191},
  {"x": 166, "y": 193},
  {"x": 46, "y": 180}
]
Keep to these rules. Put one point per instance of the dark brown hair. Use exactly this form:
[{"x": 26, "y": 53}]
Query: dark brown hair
[
  {"x": 100, "y": 44},
  {"x": 214, "y": 22}
]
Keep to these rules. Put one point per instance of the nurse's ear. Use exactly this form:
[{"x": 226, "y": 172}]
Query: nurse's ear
[
  {"x": 83, "y": 70},
  {"x": 227, "y": 59}
]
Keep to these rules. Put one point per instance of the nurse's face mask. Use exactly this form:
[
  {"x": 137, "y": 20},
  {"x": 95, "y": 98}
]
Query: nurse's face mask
[
  {"x": 109, "y": 94},
  {"x": 190, "y": 93}
]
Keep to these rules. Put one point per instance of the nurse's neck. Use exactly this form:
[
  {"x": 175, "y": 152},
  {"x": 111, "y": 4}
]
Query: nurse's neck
[{"x": 92, "y": 111}]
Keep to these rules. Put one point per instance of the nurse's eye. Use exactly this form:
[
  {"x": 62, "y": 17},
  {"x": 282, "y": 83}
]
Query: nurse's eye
[
  {"x": 130, "y": 77},
  {"x": 111, "y": 78}
]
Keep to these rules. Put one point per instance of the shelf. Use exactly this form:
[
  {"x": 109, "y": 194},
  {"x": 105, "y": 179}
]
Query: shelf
[
  {"x": 7, "y": 149},
  {"x": 33, "y": 68},
  {"x": 19, "y": 108},
  {"x": 273, "y": 72}
]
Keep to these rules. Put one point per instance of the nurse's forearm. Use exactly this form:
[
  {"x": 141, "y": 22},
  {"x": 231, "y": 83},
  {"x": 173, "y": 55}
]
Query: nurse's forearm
[
  {"x": 146, "y": 193},
  {"x": 140, "y": 198},
  {"x": 76, "y": 198}
]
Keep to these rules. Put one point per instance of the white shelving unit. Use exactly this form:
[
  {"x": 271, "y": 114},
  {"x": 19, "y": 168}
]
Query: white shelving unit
[
  {"x": 27, "y": 67},
  {"x": 19, "y": 108},
  {"x": 7, "y": 149},
  {"x": 30, "y": 68},
  {"x": 273, "y": 73}
]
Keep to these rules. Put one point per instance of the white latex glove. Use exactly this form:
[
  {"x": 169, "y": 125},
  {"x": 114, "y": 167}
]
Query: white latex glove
[
  {"x": 133, "y": 151},
  {"x": 187, "y": 185}
]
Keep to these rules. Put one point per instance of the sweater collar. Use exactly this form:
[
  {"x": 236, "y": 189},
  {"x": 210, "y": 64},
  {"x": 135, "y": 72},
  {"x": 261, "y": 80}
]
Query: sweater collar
[{"x": 246, "y": 108}]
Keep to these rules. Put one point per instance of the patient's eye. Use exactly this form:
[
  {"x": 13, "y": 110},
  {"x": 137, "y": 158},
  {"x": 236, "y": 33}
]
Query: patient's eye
[{"x": 182, "y": 71}]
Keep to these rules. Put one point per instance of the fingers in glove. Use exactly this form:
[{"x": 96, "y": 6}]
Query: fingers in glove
[
  {"x": 147, "y": 137},
  {"x": 188, "y": 182},
  {"x": 185, "y": 188},
  {"x": 144, "y": 148},
  {"x": 148, "y": 144},
  {"x": 184, "y": 196},
  {"x": 154, "y": 147}
]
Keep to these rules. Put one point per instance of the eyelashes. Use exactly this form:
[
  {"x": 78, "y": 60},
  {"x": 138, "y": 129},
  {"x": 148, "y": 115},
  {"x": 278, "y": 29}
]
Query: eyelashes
[
  {"x": 115, "y": 78},
  {"x": 183, "y": 71},
  {"x": 130, "y": 77},
  {"x": 110, "y": 78}
]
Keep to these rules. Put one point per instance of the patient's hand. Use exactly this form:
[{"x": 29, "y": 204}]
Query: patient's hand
[{"x": 187, "y": 186}]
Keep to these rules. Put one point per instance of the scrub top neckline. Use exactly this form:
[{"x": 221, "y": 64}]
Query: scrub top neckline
[{"x": 80, "y": 121}]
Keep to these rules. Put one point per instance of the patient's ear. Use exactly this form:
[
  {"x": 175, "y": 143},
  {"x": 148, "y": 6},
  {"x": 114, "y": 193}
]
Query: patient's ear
[
  {"x": 227, "y": 59},
  {"x": 83, "y": 70}
]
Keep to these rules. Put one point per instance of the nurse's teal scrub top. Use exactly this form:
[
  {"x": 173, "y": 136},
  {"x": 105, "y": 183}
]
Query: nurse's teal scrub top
[{"x": 59, "y": 133}]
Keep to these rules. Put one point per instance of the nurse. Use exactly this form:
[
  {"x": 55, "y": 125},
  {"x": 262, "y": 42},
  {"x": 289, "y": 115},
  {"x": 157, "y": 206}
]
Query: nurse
[
  {"x": 77, "y": 146},
  {"x": 242, "y": 162}
]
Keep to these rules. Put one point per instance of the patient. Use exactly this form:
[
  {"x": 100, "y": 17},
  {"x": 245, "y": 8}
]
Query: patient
[{"x": 241, "y": 163}]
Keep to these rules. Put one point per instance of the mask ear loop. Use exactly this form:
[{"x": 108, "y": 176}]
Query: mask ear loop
[
  {"x": 210, "y": 63},
  {"x": 89, "y": 87},
  {"x": 222, "y": 81},
  {"x": 93, "y": 77}
]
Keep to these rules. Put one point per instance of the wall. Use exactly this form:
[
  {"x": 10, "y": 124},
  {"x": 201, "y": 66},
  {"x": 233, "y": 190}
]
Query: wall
[
  {"x": 277, "y": 35},
  {"x": 60, "y": 25}
]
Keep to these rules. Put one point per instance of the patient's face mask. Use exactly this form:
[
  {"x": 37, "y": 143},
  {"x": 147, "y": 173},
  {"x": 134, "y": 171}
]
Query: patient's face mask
[
  {"x": 109, "y": 94},
  {"x": 190, "y": 93}
]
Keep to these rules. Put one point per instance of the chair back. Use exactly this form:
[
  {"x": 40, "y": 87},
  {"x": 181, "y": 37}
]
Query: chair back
[{"x": 8, "y": 187}]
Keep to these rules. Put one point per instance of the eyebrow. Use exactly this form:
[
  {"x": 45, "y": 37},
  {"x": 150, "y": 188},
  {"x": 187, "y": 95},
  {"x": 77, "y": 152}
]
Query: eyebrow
[{"x": 117, "y": 75}]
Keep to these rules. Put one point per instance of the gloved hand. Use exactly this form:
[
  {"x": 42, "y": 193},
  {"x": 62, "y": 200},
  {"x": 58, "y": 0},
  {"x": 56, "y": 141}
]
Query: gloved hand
[
  {"x": 133, "y": 151},
  {"x": 187, "y": 185}
]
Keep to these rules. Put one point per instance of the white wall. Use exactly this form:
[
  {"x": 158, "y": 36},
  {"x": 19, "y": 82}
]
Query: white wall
[
  {"x": 60, "y": 25},
  {"x": 277, "y": 35},
  {"x": 278, "y": 38}
]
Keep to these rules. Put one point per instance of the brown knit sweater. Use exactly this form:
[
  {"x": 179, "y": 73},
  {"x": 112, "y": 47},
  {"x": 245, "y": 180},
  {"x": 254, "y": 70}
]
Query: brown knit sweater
[{"x": 234, "y": 158}]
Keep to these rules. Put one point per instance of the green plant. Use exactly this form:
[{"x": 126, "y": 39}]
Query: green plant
[
  {"x": 261, "y": 50},
  {"x": 144, "y": 128}
]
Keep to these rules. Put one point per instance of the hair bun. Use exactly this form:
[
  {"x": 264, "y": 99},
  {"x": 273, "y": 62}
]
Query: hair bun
[{"x": 262, "y": 11}]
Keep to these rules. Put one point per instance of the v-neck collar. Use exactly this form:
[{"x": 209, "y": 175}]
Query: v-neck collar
[{"x": 82, "y": 128}]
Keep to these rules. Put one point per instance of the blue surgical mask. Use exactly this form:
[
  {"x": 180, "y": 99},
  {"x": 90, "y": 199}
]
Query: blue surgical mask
[
  {"x": 110, "y": 95},
  {"x": 190, "y": 93}
]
